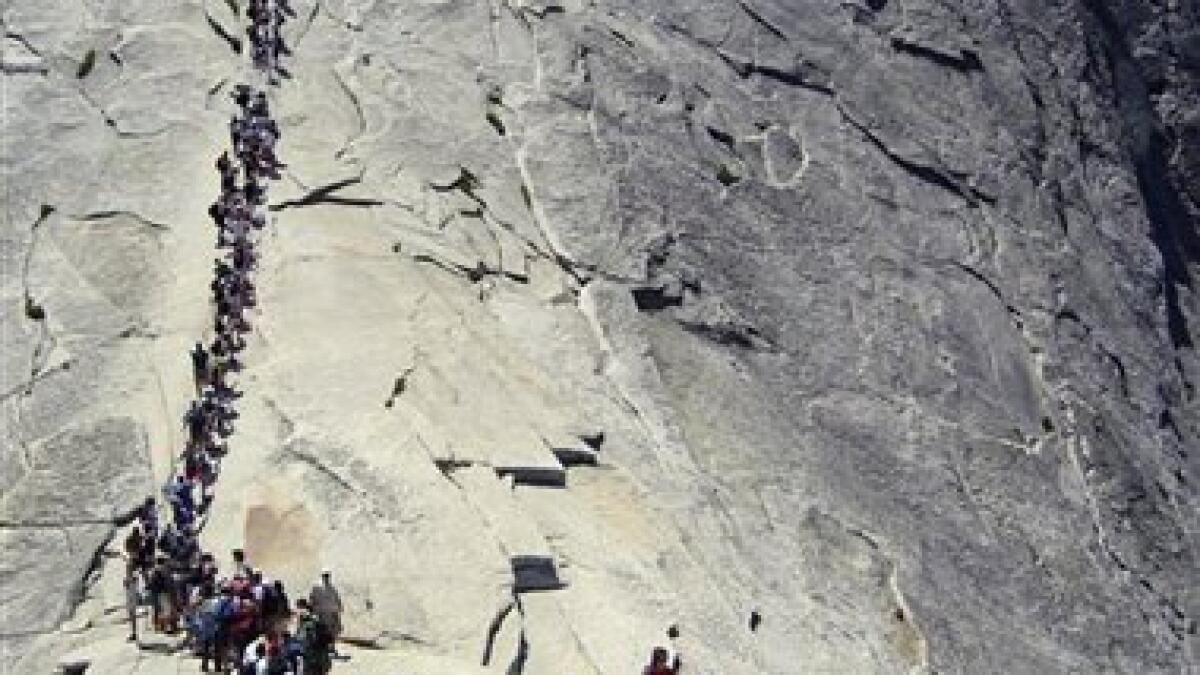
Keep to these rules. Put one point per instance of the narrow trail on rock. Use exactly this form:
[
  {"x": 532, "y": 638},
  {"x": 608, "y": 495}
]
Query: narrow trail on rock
[{"x": 233, "y": 619}]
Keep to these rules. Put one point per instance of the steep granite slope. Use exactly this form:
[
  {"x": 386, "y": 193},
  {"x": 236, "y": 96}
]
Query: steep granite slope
[{"x": 873, "y": 317}]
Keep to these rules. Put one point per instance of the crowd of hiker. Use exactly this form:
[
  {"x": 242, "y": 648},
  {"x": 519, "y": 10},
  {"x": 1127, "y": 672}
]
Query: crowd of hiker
[{"x": 239, "y": 620}]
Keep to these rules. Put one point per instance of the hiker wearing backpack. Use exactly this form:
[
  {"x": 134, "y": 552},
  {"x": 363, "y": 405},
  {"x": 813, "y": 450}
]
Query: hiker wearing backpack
[
  {"x": 326, "y": 603},
  {"x": 159, "y": 587},
  {"x": 316, "y": 639},
  {"x": 224, "y": 610},
  {"x": 207, "y": 626}
]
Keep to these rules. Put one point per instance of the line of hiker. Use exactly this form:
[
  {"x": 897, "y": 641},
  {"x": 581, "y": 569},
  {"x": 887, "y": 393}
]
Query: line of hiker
[{"x": 242, "y": 619}]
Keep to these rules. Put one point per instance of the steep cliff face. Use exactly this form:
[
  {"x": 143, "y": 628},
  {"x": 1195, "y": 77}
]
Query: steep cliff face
[{"x": 876, "y": 318}]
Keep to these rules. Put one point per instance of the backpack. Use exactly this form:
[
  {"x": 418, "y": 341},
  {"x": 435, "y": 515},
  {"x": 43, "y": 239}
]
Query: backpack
[
  {"x": 322, "y": 635},
  {"x": 225, "y": 610}
]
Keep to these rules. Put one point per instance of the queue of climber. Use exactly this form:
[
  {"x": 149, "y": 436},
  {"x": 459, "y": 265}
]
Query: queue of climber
[
  {"x": 266, "y": 35},
  {"x": 241, "y": 620}
]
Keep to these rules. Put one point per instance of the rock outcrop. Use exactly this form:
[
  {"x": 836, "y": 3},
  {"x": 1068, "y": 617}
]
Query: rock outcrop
[{"x": 581, "y": 319}]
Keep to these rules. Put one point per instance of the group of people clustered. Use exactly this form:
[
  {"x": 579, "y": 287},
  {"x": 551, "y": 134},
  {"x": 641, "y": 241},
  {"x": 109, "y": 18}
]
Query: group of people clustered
[{"x": 240, "y": 620}]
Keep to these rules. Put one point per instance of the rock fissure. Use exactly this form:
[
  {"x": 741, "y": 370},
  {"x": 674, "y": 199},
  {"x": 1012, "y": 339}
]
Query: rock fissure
[
  {"x": 965, "y": 61},
  {"x": 932, "y": 175},
  {"x": 234, "y": 42}
]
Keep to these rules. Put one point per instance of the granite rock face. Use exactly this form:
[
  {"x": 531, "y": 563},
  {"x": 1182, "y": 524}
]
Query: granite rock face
[{"x": 579, "y": 319}]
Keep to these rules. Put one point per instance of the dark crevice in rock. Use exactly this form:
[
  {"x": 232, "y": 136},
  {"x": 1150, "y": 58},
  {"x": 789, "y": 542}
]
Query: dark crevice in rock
[
  {"x": 86, "y": 64},
  {"x": 489, "y": 643},
  {"x": 933, "y": 175},
  {"x": 517, "y": 667},
  {"x": 398, "y": 387},
  {"x": 112, "y": 123},
  {"x": 448, "y": 466},
  {"x": 760, "y": 20},
  {"x": 534, "y": 476},
  {"x": 475, "y": 274},
  {"x": 213, "y": 91},
  {"x": 105, "y": 215},
  {"x": 1119, "y": 367},
  {"x": 791, "y": 78},
  {"x": 466, "y": 182},
  {"x": 730, "y": 334},
  {"x": 233, "y": 7},
  {"x": 726, "y": 176},
  {"x": 26, "y": 388},
  {"x": 1172, "y": 228},
  {"x": 11, "y": 35},
  {"x": 1068, "y": 314},
  {"x": 965, "y": 62},
  {"x": 654, "y": 299},
  {"x": 79, "y": 588},
  {"x": 569, "y": 457},
  {"x": 621, "y": 37},
  {"x": 233, "y": 41},
  {"x": 312, "y": 461},
  {"x": 593, "y": 440},
  {"x": 37, "y": 68},
  {"x": 359, "y": 113},
  {"x": 33, "y": 63},
  {"x": 550, "y": 8},
  {"x": 978, "y": 276},
  {"x": 324, "y": 195},
  {"x": 494, "y": 120},
  {"x": 535, "y": 573},
  {"x": 1167, "y": 421},
  {"x": 722, "y": 138},
  {"x": 34, "y": 311}
]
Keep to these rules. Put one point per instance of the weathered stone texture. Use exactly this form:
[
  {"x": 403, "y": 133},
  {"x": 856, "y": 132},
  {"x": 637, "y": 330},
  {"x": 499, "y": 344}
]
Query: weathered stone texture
[{"x": 877, "y": 317}]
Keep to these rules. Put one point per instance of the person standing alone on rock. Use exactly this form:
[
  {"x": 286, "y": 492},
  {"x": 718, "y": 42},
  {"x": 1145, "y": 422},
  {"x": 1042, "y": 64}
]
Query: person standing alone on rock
[
  {"x": 659, "y": 663},
  {"x": 327, "y": 605}
]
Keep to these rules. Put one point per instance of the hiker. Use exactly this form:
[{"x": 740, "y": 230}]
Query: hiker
[
  {"x": 254, "y": 657},
  {"x": 240, "y": 566},
  {"x": 148, "y": 518},
  {"x": 200, "y": 366},
  {"x": 133, "y": 598},
  {"x": 316, "y": 640},
  {"x": 133, "y": 549},
  {"x": 194, "y": 420},
  {"x": 292, "y": 651},
  {"x": 224, "y": 610},
  {"x": 159, "y": 586},
  {"x": 207, "y": 627},
  {"x": 241, "y": 95},
  {"x": 326, "y": 603},
  {"x": 208, "y": 480},
  {"x": 245, "y": 618},
  {"x": 281, "y": 607},
  {"x": 658, "y": 663}
]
